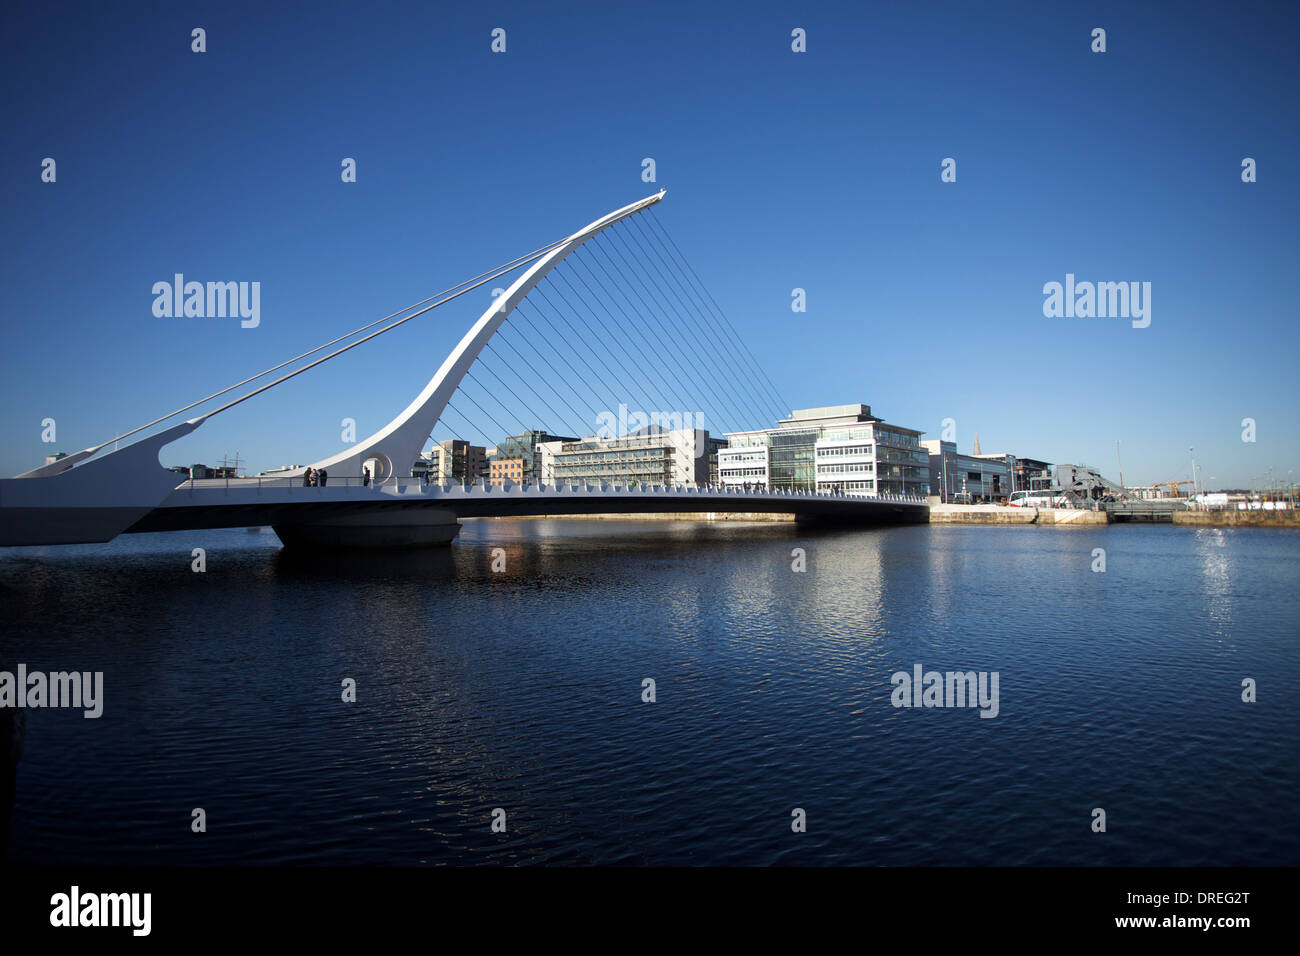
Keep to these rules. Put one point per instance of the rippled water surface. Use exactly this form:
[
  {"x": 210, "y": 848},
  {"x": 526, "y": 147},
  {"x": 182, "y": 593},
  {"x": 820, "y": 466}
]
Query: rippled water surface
[{"x": 522, "y": 690}]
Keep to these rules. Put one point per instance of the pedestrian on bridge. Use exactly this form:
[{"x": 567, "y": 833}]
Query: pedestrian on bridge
[
  {"x": 365, "y": 476},
  {"x": 308, "y": 478},
  {"x": 322, "y": 477}
]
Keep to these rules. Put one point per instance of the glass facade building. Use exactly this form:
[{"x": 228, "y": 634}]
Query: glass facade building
[
  {"x": 969, "y": 479},
  {"x": 791, "y": 458},
  {"x": 841, "y": 448},
  {"x": 517, "y": 459}
]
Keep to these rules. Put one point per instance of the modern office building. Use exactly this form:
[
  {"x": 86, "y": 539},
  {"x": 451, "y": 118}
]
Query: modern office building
[
  {"x": 517, "y": 460},
  {"x": 649, "y": 456},
  {"x": 968, "y": 478},
  {"x": 839, "y": 448},
  {"x": 1032, "y": 475},
  {"x": 745, "y": 460},
  {"x": 1004, "y": 474}
]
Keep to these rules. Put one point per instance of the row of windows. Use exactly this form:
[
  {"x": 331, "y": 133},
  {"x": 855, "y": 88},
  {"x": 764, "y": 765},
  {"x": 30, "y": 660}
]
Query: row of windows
[
  {"x": 743, "y": 472},
  {"x": 921, "y": 457},
  {"x": 622, "y": 455},
  {"x": 862, "y": 466},
  {"x": 838, "y": 451},
  {"x": 842, "y": 434},
  {"x": 896, "y": 438},
  {"x": 633, "y": 471},
  {"x": 910, "y": 472},
  {"x": 848, "y": 485},
  {"x": 627, "y": 447},
  {"x": 795, "y": 438}
]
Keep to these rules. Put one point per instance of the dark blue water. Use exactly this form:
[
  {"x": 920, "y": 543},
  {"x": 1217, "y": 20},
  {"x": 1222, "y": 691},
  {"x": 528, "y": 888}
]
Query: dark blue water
[{"x": 522, "y": 690}]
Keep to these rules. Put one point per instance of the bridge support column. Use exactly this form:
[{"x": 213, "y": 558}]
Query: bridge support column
[{"x": 405, "y": 528}]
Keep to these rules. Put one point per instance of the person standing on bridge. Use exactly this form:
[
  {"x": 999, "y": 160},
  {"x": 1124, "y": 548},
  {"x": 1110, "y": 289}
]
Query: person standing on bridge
[
  {"x": 365, "y": 476},
  {"x": 322, "y": 477},
  {"x": 307, "y": 478}
]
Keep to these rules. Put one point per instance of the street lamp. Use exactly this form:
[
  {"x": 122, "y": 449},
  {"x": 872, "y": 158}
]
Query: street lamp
[{"x": 943, "y": 478}]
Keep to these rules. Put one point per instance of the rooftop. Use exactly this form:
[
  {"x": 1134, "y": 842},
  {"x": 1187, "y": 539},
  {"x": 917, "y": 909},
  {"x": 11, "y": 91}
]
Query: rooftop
[{"x": 829, "y": 415}]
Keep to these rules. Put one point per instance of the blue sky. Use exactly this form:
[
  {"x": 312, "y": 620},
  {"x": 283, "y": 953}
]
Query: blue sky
[{"x": 818, "y": 170}]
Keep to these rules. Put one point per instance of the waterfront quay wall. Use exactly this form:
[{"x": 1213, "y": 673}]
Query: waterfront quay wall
[
  {"x": 1001, "y": 514},
  {"x": 976, "y": 514},
  {"x": 939, "y": 514},
  {"x": 1238, "y": 519}
]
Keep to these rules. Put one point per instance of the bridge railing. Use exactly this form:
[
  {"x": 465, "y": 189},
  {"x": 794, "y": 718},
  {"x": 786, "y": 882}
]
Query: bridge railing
[
  {"x": 407, "y": 485},
  {"x": 277, "y": 481}
]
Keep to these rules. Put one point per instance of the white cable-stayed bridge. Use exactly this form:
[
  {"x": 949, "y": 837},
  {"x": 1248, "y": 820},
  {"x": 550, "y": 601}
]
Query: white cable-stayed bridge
[{"x": 610, "y": 316}]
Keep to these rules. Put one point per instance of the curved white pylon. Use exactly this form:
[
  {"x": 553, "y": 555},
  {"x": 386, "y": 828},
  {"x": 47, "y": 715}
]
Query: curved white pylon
[{"x": 397, "y": 444}]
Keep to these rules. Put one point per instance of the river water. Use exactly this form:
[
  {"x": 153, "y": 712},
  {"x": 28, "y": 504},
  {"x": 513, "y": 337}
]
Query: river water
[{"x": 522, "y": 689}]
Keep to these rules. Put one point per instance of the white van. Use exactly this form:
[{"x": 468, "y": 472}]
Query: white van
[{"x": 1035, "y": 499}]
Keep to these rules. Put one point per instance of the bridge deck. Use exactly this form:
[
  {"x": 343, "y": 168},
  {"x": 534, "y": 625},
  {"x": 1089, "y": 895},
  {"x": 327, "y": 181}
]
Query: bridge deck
[{"x": 217, "y": 503}]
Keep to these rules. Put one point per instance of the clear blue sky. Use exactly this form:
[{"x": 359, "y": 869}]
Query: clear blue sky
[{"x": 816, "y": 170}]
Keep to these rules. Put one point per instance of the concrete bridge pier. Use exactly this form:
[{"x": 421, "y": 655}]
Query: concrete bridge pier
[{"x": 400, "y": 528}]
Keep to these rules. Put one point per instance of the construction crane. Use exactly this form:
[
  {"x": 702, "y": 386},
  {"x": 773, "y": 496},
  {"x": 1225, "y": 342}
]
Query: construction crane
[{"x": 1172, "y": 486}]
